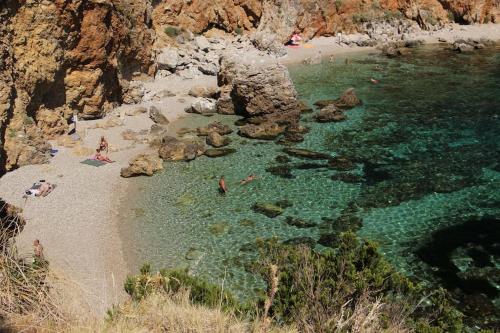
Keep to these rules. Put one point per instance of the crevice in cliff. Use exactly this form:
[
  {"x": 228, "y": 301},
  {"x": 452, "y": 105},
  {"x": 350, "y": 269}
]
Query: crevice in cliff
[{"x": 250, "y": 13}]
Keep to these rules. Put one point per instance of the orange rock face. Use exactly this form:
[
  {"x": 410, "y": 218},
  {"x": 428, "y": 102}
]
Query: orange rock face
[
  {"x": 71, "y": 56},
  {"x": 312, "y": 17}
]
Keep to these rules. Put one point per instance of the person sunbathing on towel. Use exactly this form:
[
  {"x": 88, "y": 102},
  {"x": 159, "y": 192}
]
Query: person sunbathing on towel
[
  {"x": 100, "y": 157},
  {"x": 40, "y": 191},
  {"x": 294, "y": 40}
]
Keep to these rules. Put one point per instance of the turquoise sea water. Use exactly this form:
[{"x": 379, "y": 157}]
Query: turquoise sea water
[{"x": 425, "y": 180}]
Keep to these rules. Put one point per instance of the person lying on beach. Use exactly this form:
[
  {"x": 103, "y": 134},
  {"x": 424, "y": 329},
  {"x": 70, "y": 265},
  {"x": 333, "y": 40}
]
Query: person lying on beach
[
  {"x": 40, "y": 190},
  {"x": 248, "y": 179},
  {"x": 294, "y": 40},
  {"x": 100, "y": 157},
  {"x": 222, "y": 185},
  {"x": 103, "y": 145}
]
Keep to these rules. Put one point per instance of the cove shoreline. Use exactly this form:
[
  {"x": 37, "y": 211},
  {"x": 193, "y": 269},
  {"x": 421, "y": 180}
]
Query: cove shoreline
[{"x": 79, "y": 223}]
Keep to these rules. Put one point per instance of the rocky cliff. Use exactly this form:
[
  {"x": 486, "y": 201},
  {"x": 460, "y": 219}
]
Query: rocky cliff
[
  {"x": 60, "y": 57},
  {"x": 314, "y": 17}
]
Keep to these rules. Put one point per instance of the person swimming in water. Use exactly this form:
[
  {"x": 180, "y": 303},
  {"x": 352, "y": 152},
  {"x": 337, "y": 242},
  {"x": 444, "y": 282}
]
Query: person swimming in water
[
  {"x": 222, "y": 185},
  {"x": 248, "y": 179}
]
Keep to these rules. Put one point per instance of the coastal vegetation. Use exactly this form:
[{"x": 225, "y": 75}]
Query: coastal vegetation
[{"x": 348, "y": 288}]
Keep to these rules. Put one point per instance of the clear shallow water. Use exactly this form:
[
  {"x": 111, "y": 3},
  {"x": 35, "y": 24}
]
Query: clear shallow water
[{"x": 426, "y": 147}]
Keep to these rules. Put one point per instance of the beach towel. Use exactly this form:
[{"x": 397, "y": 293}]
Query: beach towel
[
  {"x": 308, "y": 46},
  {"x": 92, "y": 162},
  {"x": 293, "y": 46}
]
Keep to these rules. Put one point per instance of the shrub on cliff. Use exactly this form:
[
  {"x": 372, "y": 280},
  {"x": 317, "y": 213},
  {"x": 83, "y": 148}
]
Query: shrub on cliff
[
  {"x": 200, "y": 291},
  {"x": 172, "y": 31},
  {"x": 351, "y": 288}
]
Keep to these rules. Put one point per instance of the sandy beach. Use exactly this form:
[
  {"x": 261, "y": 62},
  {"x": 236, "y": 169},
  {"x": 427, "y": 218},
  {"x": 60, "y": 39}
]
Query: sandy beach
[
  {"x": 327, "y": 46},
  {"x": 78, "y": 223}
]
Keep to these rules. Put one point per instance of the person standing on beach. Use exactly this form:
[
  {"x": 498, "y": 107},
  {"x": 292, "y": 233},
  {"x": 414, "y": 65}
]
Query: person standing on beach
[
  {"x": 38, "y": 249},
  {"x": 222, "y": 185}
]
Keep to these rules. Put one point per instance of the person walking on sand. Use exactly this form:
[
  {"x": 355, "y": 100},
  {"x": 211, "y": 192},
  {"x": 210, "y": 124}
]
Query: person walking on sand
[{"x": 222, "y": 185}]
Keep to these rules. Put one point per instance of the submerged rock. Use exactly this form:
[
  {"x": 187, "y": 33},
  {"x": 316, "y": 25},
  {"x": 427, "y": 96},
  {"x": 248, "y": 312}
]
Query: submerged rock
[
  {"x": 268, "y": 209},
  {"x": 347, "y": 178},
  {"x": 219, "y": 152},
  {"x": 299, "y": 223},
  {"x": 341, "y": 163},
  {"x": 284, "y": 171},
  {"x": 329, "y": 114},
  {"x": 142, "y": 165},
  {"x": 304, "y": 153},
  {"x": 282, "y": 159}
]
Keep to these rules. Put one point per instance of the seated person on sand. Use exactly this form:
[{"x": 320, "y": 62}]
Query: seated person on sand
[
  {"x": 294, "y": 40},
  {"x": 100, "y": 157},
  {"x": 248, "y": 179},
  {"x": 103, "y": 144}
]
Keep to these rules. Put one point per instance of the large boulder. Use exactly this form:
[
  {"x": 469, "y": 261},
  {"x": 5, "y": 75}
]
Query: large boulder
[
  {"x": 172, "y": 149},
  {"x": 203, "y": 106},
  {"x": 214, "y": 127},
  {"x": 216, "y": 140},
  {"x": 203, "y": 91},
  {"x": 167, "y": 59},
  {"x": 157, "y": 116},
  {"x": 142, "y": 164},
  {"x": 255, "y": 89}
]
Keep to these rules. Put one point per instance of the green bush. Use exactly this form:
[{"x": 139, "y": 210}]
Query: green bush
[
  {"x": 201, "y": 292},
  {"x": 361, "y": 18},
  {"x": 338, "y": 5},
  {"x": 451, "y": 16},
  {"x": 172, "y": 31},
  {"x": 315, "y": 287},
  {"x": 238, "y": 31}
]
